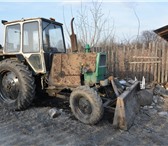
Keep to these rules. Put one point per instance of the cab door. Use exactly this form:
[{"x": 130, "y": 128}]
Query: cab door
[
  {"x": 53, "y": 41},
  {"x": 31, "y": 46}
]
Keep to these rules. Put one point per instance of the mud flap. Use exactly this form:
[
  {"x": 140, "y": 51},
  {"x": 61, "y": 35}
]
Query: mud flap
[{"x": 127, "y": 107}]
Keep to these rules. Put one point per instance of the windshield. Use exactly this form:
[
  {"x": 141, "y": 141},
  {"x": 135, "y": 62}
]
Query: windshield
[{"x": 52, "y": 38}]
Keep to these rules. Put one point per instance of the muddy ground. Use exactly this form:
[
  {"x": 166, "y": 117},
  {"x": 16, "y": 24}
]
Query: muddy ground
[{"x": 35, "y": 127}]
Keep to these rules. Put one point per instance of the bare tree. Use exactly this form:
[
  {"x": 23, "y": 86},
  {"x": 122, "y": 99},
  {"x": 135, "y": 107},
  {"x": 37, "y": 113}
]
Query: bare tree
[
  {"x": 92, "y": 26},
  {"x": 138, "y": 20},
  {"x": 132, "y": 6},
  {"x": 148, "y": 36}
]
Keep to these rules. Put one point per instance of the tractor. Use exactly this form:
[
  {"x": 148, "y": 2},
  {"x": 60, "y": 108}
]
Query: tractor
[{"x": 34, "y": 60}]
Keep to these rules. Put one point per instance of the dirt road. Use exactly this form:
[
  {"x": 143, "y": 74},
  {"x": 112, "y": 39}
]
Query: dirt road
[{"x": 35, "y": 127}]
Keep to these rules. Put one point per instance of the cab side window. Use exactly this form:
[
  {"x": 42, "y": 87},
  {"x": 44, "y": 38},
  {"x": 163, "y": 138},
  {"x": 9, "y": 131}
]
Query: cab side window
[{"x": 13, "y": 38}]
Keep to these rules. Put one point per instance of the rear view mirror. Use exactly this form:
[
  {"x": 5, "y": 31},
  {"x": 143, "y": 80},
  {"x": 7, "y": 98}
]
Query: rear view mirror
[
  {"x": 3, "y": 22},
  {"x": 0, "y": 46}
]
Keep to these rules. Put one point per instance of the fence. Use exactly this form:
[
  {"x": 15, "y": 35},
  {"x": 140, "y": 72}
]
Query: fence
[{"x": 138, "y": 61}]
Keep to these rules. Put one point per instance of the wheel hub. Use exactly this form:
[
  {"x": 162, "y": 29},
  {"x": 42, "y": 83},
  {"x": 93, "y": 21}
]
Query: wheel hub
[
  {"x": 10, "y": 85},
  {"x": 85, "y": 106}
]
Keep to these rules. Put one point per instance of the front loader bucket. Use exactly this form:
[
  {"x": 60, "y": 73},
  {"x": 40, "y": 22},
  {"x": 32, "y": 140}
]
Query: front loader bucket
[{"x": 127, "y": 107}]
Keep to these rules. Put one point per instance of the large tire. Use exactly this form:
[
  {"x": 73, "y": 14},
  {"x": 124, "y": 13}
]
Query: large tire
[
  {"x": 17, "y": 88},
  {"x": 86, "y": 105}
]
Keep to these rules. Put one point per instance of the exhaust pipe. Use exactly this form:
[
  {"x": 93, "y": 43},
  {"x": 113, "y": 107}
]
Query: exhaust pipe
[{"x": 74, "y": 47}]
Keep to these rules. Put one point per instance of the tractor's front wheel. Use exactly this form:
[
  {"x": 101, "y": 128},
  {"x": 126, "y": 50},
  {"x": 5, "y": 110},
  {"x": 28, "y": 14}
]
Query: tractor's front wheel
[
  {"x": 86, "y": 105},
  {"x": 17, "y": 88}
]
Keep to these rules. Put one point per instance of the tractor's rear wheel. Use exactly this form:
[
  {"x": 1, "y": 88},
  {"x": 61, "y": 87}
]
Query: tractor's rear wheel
[
  {"x": 86, "y": 105},
  {"x": 17, "y": 88}
]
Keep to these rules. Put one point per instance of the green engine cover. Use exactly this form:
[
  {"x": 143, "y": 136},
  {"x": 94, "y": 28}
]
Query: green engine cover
[{"x": 91, "y": 78}]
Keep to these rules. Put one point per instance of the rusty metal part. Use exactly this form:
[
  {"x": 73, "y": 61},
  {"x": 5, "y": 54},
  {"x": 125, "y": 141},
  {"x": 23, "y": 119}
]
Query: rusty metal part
[
  {"x": 127, "y": 107},
  {"x": 109, "y": 104},
  {"x": 74, "y": 46},
  {"x": 66, "y": 68},
  {"x": 114, "y": 87},
  {"x": 117, "y": 87}
]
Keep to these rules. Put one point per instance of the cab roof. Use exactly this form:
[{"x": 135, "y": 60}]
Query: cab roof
[{"x": 29, "y": 19}]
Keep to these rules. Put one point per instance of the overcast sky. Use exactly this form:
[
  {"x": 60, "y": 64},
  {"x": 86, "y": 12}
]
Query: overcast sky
[{"x": 152, "y": 14}]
